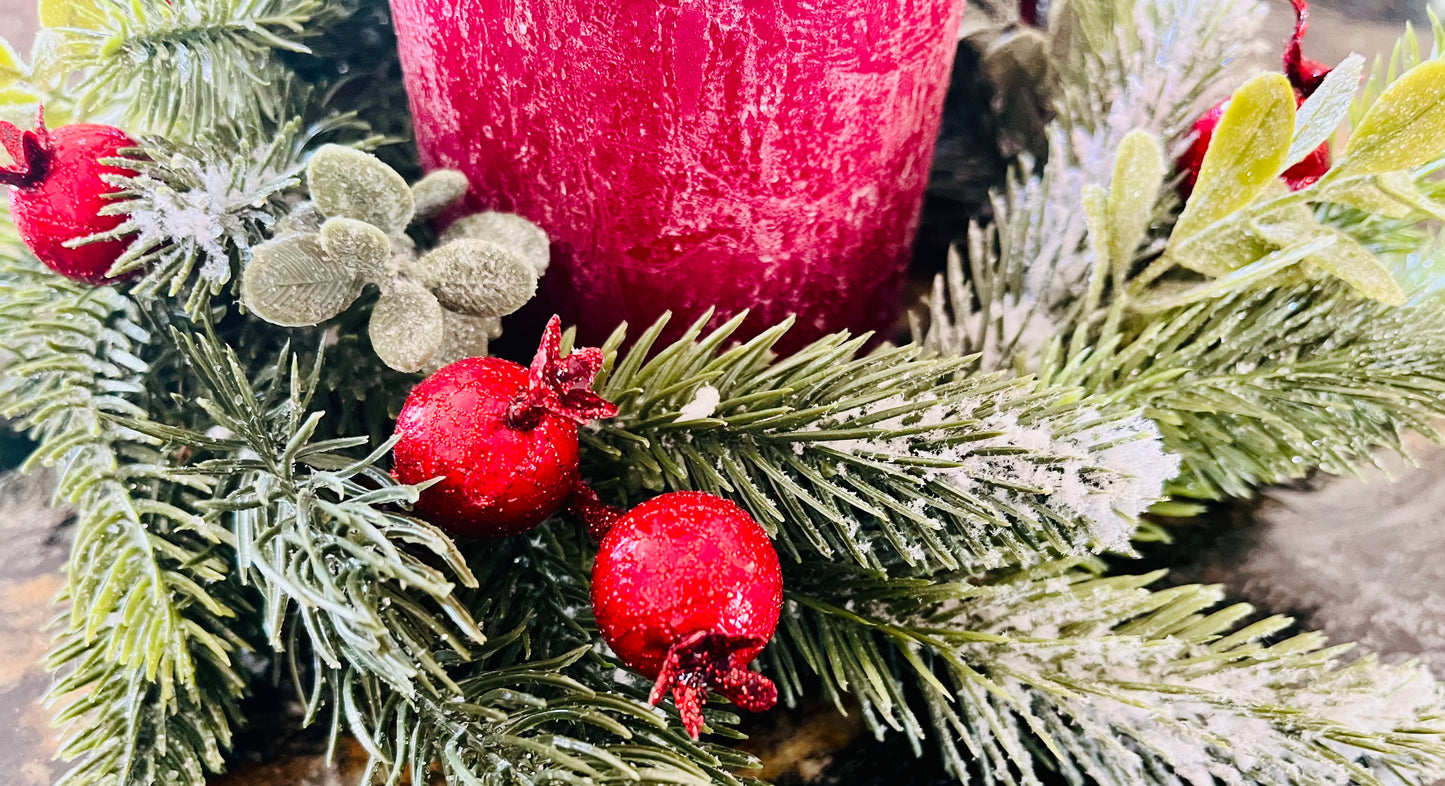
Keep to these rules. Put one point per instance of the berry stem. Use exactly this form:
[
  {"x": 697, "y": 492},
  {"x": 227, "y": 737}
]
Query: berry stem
[
  {"x": 704, "y": 660},
  {"x": 30, "y": 152},
  {"x": 596, "y": 514},
  {"x": 559, "y": 385}
]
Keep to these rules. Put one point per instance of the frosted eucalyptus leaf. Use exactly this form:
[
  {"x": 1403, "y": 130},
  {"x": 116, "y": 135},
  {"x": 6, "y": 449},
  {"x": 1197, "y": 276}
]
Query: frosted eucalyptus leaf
[
  {"x": 1138, "y": 176},
  {"x": 1344, "y": 258},
  {"x": 464, "y": 337},
  {"x": 1404, "y": 129},
  {"x": 438, "y": 191},
  {"x": 290, "y": 282},
  {"x": 1246, "y": 155},
  {"x": 352, "y": 184},
  {"x": 303, "y": 219},
  {"x": 358, "y": 245},
  {"x": 1325, "y": 110},
  {"x": 407, "y": 326},
  {"x": 478, "y": 277},
  {"x": 505, "y": 229}
]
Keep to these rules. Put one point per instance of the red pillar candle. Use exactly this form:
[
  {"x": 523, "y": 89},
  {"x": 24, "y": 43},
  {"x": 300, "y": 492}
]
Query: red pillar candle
[{"x": 685, "y": 154}]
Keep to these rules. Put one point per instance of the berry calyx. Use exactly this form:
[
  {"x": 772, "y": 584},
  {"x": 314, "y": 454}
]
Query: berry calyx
[
  {"x": 58, "y": 189},
  {"x": 502, "y": 438},
  {"x": 560, "y": 386},
  {"x": 1305, "y": 76},
  {"x": 687, "y": 589}
]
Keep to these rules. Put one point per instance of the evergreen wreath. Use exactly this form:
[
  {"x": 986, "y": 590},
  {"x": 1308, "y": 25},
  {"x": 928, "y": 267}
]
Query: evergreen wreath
[{"x": 952, "y": 515}]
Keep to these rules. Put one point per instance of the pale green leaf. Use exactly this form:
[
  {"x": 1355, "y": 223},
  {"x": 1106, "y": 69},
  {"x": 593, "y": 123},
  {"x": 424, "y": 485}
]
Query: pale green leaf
[
  {"x": 1404, "y": 129},
  {"x": 1258, "y": 273},
  {"x": 12, "y": 68},
  {"x": 290, "y": 282},
  {"x": 508, "y": 230},
  {"x": 407, "y": 326},
  {"x": 1246, "y": 155},
  {"x": 85, "y": 14},
  {"x": 1345, "y": 258},
  {"x": 358, "y": 245},
  {"x": 1096, "y": 214},
  {"x": 438, "y": 191},
  {"x": 478, "y": 277},
  {"x": 1228, "y": 246},
  {"x": 1369, "y": 197},
  {"x": 1138, "y": 177},
  {"x": 352, "y": 184},
  {"x": 1318, "y": 118}
]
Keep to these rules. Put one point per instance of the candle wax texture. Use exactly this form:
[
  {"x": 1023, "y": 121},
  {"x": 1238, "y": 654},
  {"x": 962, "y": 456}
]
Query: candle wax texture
[{"x": 738, "y": 154}]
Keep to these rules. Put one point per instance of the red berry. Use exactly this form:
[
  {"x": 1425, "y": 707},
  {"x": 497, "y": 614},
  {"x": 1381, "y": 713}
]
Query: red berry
[
  {"x": 502, "y": 438},
  {"x": 1306, "y": 76},
  {"x": 687, "y": 589},
  {"x": 57, "y": 193}
]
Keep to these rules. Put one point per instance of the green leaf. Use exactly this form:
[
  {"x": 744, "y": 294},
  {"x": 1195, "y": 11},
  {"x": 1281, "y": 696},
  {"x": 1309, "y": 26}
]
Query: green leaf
[
  {"x": 478, "y": 277},
  {"x": 12, "y": 68},
  {"x": 352, "y": 184},
  {"x": 1096, "y": 214},
  {"x": 291, "y": 282},
  {"x": 508, "y": 230},
  {"x": 1404, "y": 129},
  {"x": 406, "y": 326},
  {"x": 1345, "y": 258},
  {"x": 438, "y": 191},
  {"x": 1138, "y": 177},
  {"x": 1247, "y": 154},
  {"x": 1369, "y": 197},
  {"x": 1318, "y": 118},
  {"x": 358, "y": 245},
  {"x": 85, "y": 14}
]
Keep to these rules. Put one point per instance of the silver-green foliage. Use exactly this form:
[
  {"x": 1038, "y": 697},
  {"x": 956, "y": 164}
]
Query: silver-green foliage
[
  {"x": 1101, "y": 679},
  {"x": 434, "y": 308},
  {"x": 147, "y": 649}
]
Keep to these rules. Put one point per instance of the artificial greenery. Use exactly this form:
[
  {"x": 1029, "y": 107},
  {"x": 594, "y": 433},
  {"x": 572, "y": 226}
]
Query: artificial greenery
[{"x": 941, "y": 507}]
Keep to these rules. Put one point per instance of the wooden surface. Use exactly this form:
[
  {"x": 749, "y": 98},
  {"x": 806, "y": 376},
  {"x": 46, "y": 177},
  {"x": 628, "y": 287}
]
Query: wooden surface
[{"x": 1304, "y": 554}]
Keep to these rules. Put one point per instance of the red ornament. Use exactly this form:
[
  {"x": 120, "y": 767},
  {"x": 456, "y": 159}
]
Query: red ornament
[
  {"x": 687, "y": 589},
  {"x": 503, "y": 438},
  {"x": 1306, "y": 76},
  {"x": 57, "y": 193}
]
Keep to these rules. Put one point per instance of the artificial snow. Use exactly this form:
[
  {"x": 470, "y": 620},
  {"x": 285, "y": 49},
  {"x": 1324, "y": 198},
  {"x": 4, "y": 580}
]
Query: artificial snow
[{"x": 703, "y": 404}]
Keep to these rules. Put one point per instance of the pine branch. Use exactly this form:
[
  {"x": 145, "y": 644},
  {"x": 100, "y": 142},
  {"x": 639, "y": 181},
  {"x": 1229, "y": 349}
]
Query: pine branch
[
  {"x": 363, "y": 602},
  {"x": 147, "y": 649},
  {"x": 1261, "y": 387},
  {"x": 194, "y": 211},
  {"x": 1106, "y": 681},
  {"x": 891, "y": 457},
  {"x": 1143, "y": 64},
  {"x": 186, "y": 67}
]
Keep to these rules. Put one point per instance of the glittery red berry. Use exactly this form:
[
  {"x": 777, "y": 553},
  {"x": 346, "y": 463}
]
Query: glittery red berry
[
  {"x": 1305, "y": 75},
  {"x": 502, "y": 438},
  {"x": 687, "y": 589},
  {"x": 57, "y": 192}
]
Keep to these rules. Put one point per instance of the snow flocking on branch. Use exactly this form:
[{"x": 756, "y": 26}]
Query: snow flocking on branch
[
  {"x": 1097, "y": 471},
  {"x": 1134, "y": 66}
]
